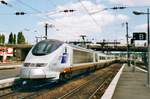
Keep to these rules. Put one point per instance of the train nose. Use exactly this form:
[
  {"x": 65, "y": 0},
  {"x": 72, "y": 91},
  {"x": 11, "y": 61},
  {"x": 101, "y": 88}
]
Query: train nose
[
  {"x": 37, "y": 73},
  {"x": 32, "y": 73}
]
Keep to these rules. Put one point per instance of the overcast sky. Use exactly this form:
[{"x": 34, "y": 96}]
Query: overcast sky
[{"x": 89, "y": 19}]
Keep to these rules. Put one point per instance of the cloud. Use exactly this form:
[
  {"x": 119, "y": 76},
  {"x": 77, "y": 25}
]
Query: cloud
[
  {"x": 72, "y": 25},
  {"x": 123, "y": 17},
  {"x": 131, "y": 2},
  {"x": 141, "y": 28}
]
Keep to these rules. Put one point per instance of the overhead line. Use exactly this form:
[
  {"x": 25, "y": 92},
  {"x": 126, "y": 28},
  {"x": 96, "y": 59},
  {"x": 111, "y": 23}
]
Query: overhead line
[
  {"x": 24, "y": 13},
  {"x": 38, "y": 11},
  {"x": 123, "y": 6},
  {"x": 98, "y": 11},
  {"x": 28, "y": 6},
  {"x": 137, "y": 6},
  {"x": 8, "y": 5},
  {"x": 89, "y": 13}
]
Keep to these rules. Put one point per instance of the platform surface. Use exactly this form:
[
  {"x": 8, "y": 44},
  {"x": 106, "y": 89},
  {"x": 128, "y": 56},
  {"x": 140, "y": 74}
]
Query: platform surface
[
  {"x": 132, "y": 85},
  {"x": 9, "y": 70}
]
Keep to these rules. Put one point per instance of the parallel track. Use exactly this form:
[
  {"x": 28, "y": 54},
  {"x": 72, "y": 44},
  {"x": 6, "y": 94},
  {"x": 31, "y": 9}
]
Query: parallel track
[
  {"x": 89, "y": 89},
  {"x": 18, "y": 94}
]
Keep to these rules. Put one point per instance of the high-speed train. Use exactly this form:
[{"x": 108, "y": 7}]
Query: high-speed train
[{"x": 55, "y": 59}]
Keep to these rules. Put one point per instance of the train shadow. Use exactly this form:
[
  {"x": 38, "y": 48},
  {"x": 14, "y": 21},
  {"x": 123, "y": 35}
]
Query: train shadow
[
  {"x": 22, "y": 85},
  {"x": 26, "y": 85}
]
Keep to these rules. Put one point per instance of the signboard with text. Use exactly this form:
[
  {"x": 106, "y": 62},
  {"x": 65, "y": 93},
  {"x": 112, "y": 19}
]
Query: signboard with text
[
  {"x": 7, "y": 51},
  {"x": 139, "y": 36}
]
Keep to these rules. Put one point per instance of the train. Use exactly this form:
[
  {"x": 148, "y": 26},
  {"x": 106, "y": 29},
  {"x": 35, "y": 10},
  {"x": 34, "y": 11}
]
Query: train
[{"x": 54, "y": 59}]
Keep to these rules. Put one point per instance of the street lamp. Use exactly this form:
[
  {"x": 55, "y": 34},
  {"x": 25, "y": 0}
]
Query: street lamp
[
  {"x": 137, "y": 13},
  {"x": 148, "y": 41}
]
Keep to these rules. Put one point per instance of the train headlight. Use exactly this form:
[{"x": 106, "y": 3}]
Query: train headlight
[
  {"x": 26, "y": 64},
  {"x": 41, "y": 64}
]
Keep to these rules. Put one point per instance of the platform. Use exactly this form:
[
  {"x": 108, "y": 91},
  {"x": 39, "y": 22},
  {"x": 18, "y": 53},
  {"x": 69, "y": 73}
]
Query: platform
[
  {"x": 132, "y": 85},
  {"x": 9, "y": 70}
]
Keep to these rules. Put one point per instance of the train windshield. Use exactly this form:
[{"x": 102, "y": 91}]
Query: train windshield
[{"x": 46, "y": 47}]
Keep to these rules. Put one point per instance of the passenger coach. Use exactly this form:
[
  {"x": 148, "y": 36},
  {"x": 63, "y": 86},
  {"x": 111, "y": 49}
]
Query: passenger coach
[{"x": 55, "y": 59}]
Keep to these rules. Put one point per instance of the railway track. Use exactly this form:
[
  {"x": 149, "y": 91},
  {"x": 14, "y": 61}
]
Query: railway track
[
  {"x": 90, "y": 86},
  {"x": 9, "y": 92},
  {"x": 84, "y": 88},
  {"x": 23, "y": 92},
  {"x": 142, "y": 67}
]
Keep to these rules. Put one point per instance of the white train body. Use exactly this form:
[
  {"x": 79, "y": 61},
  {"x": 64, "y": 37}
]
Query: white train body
[{"x": 52, "y": 58}]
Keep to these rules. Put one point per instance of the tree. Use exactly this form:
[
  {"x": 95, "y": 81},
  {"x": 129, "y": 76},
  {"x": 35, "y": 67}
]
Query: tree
[
  {"x": 20, "y": 38},
  {"x": 0, "y": 39},
  {"x": 3, "y": 38},
  {"x": 11, "y": 38},
  {"x": 14, "y": 40}
]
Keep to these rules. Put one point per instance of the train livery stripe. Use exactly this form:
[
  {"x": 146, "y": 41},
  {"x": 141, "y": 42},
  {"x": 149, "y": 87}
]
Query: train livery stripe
[
  {"x": 83, "y": 66},
  {"x": 67, "y": 70},
  {"x": 79, "y": 67}
]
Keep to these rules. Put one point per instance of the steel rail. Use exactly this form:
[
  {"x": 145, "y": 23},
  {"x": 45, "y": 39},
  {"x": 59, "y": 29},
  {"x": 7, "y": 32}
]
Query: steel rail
[
  {"x": 73, "y": 91},
  {"x": 101, "y": 86}
]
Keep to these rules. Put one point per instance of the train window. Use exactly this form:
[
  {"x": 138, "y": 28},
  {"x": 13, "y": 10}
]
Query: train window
[
  {"x": 96, "y": 57},
  {"x": 45, "y": 47},
  {"x": 100, "y": 58},
  {"x": 103, "y": 58},
  {"x": 82, "y": 57}
]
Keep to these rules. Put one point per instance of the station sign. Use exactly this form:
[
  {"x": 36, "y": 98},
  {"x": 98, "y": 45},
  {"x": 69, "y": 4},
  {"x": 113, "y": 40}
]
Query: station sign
[
  {"x": 139, "y": 36},
  {"x": 4, "y": 50}
]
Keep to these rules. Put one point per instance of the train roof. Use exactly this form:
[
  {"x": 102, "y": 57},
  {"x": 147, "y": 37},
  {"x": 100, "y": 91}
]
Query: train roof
[
  {"x": 74, "y": 46},
  {"x": 53, "y": 40},
  {"x": 71, "y": 45},
  {"x": 80, "y": 48}
]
